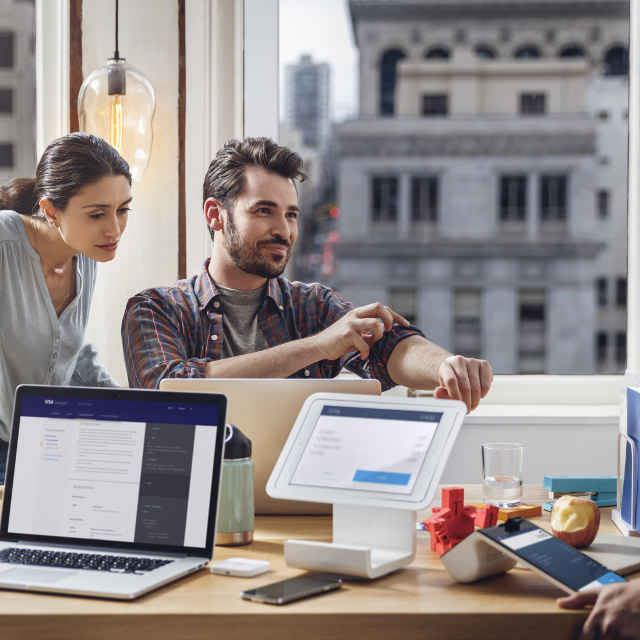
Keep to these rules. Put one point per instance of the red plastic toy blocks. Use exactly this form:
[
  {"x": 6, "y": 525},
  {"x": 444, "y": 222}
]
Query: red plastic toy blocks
[{"x": 453, "y": 522}]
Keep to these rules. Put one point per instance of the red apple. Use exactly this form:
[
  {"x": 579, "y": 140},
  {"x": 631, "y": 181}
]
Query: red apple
[{"x": 575, "y": 520}]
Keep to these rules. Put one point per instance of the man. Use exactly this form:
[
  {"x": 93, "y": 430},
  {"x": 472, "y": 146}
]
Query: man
[
  {"x": 615, "y": 613},
  {"x": 239, "y": 318}
]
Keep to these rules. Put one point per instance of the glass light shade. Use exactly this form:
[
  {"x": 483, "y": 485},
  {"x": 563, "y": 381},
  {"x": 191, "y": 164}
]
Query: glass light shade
[{"x": 117, "y": 103}]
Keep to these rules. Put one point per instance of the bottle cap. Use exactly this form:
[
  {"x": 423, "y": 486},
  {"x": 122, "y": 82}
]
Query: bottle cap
[{"x": 237, "y": 445}]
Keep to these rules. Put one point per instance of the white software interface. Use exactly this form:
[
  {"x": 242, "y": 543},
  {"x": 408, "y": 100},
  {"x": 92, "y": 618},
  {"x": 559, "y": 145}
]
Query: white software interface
[
  {"x": 101, "y": 476},
  {"x": 380, "y": 450}
]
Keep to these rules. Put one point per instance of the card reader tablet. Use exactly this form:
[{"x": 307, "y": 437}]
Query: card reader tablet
[
  {"x": 378, "y": 460},
  {"x": 563, "y": 565},
  {"x": 366, "y": 450}
]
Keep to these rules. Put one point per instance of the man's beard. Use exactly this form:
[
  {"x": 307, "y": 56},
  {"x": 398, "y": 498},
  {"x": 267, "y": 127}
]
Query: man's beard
[{"x": 249, "y": 259}]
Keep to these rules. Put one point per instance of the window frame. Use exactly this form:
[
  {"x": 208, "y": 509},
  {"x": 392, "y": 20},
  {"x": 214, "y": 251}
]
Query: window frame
[{"x": 52, "y": 71}]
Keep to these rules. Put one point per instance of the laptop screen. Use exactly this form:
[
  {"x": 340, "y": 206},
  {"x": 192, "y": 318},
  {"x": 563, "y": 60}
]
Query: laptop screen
[{"x": 124, "y": 467}]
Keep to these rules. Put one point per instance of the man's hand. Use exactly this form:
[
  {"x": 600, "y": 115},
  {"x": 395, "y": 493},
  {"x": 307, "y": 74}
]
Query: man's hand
[
  {"x": 616, "y": 611},
  {"x": 356, "y": 331},
  {"x": 466, "y": 379}
]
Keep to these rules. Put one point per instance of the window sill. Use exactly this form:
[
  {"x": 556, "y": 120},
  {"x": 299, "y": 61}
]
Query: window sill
[{"x": 556, "y": 390}]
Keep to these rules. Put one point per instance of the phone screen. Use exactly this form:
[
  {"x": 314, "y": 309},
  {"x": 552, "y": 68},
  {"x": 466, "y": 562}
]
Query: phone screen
[
  {"x": 552, "y": 556},
  {"x": 293, "y": 588}
]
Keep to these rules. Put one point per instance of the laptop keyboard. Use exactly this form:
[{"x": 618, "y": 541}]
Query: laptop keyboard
[{"x": 91, "y": 561}]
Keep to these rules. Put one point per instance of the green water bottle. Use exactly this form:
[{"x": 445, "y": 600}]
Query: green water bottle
[{"x": 236, "y": 511}]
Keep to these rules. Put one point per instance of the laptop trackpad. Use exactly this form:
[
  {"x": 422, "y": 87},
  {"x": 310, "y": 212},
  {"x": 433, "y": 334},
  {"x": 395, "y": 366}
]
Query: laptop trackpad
[{"x": 27, "y": 575}]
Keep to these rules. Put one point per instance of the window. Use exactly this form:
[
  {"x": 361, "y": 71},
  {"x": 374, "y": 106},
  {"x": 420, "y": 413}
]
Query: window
[
  {"x": 435, "y": 104},
  {"x": 404, "y": 300},
  {"x": 616, "y": 61},
  {"x": 621, "y": 348},
  {"x": 437, "y": 53},
  {"x": 424, "y": 198},
  {"x": 602, "y": 203},
  {"x": 572, "y": 51},
  {"x": 485, "y": 51},
  {"x": 507, "y": 183},
  {"x": 553, "y": 198},
  {"x": 527, "y": 51},
  {"x": 621, "y": 292},
  {"x": 513, "y": 198},
  {"x": 388, "y": 65},
  {"x": 533, "y": 104},
  {"x": 384, "y": 199},
  {"x": 467, "y": 329},
  {"x": 532, "y": 312},
  {"x": 7, "y": 46},
  {"x": 6, "y": 155},
  {"x": 601, "y": 291},
  {"x": 602, "y": 347},
  {"x": 6, "y": 100}
]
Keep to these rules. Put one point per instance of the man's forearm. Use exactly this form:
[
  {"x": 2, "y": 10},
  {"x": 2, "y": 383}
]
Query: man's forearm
[
  {"x": 415, "y": 361},
  {"x": 275, "y": 362}
]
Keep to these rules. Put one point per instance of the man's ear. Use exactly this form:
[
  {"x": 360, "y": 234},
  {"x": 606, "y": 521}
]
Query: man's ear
[{"x": 213, "y": 214}]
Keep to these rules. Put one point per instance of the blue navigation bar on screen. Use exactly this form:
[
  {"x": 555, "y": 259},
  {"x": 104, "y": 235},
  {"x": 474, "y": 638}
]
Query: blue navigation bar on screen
[
  {"x": 381, "y": 414},
  {"x": 187, "y": 411},
  {"x": 382, "y": 477}
]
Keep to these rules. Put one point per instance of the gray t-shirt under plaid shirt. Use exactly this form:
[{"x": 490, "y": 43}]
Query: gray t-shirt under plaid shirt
[{"x": 242, "y": 334}]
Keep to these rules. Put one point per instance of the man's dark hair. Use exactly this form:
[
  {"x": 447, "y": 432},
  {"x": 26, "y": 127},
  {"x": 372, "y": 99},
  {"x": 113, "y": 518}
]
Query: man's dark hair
[{"x": 225, "y": 178}]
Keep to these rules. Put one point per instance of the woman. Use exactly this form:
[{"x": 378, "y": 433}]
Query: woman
[{"x": 52, "y": 232}]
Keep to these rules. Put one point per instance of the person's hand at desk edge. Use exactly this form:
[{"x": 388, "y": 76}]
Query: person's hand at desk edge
[{"x": 615, "y": 613}]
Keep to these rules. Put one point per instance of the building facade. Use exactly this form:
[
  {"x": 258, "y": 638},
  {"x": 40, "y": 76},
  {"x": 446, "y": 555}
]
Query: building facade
[
  {"x": 17, "y": 90},
  {"x": 482, "y": 188}
]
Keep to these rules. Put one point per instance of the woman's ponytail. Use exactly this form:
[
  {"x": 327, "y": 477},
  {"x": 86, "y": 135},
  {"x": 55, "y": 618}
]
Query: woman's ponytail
[{"x": 19, "y": 195}]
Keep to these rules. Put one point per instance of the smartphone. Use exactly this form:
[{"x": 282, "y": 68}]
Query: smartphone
[
  {"x": 309, "y": 584},
  {"x": 558, "y": 562}
]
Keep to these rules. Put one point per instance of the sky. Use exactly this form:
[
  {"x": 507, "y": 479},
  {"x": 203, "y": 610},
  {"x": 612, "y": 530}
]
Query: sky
[{"x": 323, "y": 29}]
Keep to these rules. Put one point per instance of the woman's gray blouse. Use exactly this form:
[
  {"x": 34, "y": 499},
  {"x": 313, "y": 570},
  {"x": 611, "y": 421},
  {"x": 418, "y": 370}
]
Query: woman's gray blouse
[{"x": 37, "y": 346}]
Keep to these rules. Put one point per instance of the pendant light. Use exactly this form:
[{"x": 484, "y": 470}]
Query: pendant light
[{"x": 117, "y": 103}]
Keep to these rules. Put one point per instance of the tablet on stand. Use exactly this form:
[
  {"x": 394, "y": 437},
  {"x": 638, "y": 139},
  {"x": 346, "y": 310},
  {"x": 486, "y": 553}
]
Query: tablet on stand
[{"x": 378, "y": 460}]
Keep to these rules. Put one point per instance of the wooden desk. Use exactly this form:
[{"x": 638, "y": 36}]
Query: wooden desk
[{"x": 419, "y": 602}]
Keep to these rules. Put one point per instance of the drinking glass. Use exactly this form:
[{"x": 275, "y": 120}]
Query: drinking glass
[{"x": 502, "y": 473}]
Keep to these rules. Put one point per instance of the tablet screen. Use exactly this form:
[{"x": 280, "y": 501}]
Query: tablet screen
[{"x": 366, "y": 449}]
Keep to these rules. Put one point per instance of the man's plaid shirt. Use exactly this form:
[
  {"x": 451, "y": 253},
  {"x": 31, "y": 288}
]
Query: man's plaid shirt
[{"x": 173, "y": 332}]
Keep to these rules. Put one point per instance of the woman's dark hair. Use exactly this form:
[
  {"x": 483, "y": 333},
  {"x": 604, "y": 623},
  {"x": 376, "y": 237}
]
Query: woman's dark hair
[
  {"x": 225, "y": 180},
  {"x": 67, "y": 165}
]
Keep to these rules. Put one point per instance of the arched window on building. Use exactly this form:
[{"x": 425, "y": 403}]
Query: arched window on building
[
  {"x": 527, "y": 51},
  {"x": 572, "y": 51},
  {"x": 616, "y": 61},
  {"x": 485, "y": 51},
  {"x": 388, "y": 68},
  {"x": 437, "y": 53}
]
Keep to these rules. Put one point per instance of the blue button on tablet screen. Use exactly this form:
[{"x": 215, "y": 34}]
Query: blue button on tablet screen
[
  {"x": 609, "y": 578},
  {"x": 381, "y": 477}
]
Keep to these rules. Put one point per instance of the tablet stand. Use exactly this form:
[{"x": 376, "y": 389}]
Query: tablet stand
[{"x": 368, "y": 542}]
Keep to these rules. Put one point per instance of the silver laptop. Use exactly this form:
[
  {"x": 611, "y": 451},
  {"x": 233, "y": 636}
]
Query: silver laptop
[
  {"x": 266, "y": 410},
  {"x": 109, "y": 492}
]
